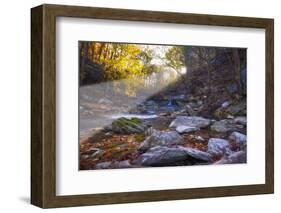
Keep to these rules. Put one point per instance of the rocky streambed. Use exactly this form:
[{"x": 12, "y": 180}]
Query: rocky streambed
[{"x": 175, "y": 136}]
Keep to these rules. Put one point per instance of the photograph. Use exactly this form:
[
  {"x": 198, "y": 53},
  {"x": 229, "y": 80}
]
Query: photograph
[{"x": 152, "y": 105}]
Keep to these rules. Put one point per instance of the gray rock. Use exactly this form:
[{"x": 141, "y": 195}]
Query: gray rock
[
  {"x": 225, "y": 104},
  {"x": 103, "y": 165},
  {"x": 237, "y": 109},
  {"x": 165, "y": 156},
  {"x": 197, "y": 138},
  {"x": 190, "y": 121},
  {"x": 199, "y": 155},
  {"x": 91, "y": 153},
  {"x": 241, "y": 120},
  {"x": 160, "y": 138},
  {"x": 218, "y": 146},
  {"x": 226, "y": 126},
  {"x": 162, "y": 156},
  {"x": 121, "y": 164},
  {"x": 239, "y": 139},
  {"x": 236, "y": 157},
  {"x": 113, "y": 165},
  {"x": 186, "y": 129}
]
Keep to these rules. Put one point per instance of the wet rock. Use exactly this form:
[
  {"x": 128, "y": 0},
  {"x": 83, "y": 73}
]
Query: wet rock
[
  {"x": 190, "y": 121},
  {"x": 199, "y": 155},
  {"x": 103, "y": 165},
  {"x": 236, "y": 157},
  {"x": 225, "y": 104},
  {"x": 128, "y": 126},
  {"x": 120, "y": 164},
  {"x": 186, "y": 129},
  {"x": 228, "y": 110},
  {"x": 218, "y": 146},
  {"x": 197, "y": 138},
  {"x": 160, "y": 138},
  {"x": 241, "y": 120},
  {"x": 239, "y": 140},
  {"x": 174, "y": 156},
  {"x": 238, "y": 108},
  {"x": 113, "y": 165},
  {"x": 226, "y": 125}
]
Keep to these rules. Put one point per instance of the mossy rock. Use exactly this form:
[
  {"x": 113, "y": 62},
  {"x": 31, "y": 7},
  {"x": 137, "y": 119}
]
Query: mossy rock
[{"x": 128, "y": 126}]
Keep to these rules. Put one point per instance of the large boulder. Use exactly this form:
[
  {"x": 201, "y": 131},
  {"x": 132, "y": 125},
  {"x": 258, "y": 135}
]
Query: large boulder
[
  {"x": 238, "y": 139},
  {"x": 226, "y": 125},
  {"x": 218, "y": 146},
  {"x": 173, "y": 156},
  {"x": 160, "y": 138},
  {"x": 190, "y": 121},
  {"x": 128, "y": 126},
  {"x": 236, "y": 157}
]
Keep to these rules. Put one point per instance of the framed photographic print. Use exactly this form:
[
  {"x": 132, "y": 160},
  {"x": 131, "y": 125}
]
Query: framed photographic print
[{"x": 136, "y": 106}]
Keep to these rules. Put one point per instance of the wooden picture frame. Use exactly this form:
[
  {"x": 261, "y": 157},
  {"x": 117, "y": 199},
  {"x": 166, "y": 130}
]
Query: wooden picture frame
[{"x": 43, "y": 105}]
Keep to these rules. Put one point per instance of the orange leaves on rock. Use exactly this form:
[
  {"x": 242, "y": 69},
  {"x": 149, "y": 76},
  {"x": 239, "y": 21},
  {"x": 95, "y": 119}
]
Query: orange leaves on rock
[{"x": 114, "y": 148}]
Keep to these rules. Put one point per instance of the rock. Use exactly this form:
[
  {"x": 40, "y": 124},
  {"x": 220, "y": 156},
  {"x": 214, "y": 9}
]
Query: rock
[
  {"x": 236, "y": 157},
  {"x": 239, "y": 140},
  {"x": 229, "y": 116},
  {"x": 174, "y": 156},
  {"x": 241, "y": 120},
  {"x": 197, "y": 138},
  {"x": 226, "y": 126},
  {"x": 189, "y": 110},
  {"x": 190, "y": 121},
  {"x": 225, "y": 104},
  {"x": 128, "y": 126},
  {"x": 113, "y": 165},
  {"x": 160, "y": 138},
  {"x": 91, "y": 153},
  {"x": 199, "y": 155},
  {"x": 103, "y": 165},
  {"x": 186, "y": 129},
  {"x": 237, "y": 109},
  {"x": 120, "y": 164},
  {"x": 165, "y": 113},
  {"x": 218, "y": 146},
  {"x": 162, "y": 156}
]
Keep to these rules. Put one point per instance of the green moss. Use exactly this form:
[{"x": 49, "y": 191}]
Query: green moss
[{"x": 123, "y": 122}]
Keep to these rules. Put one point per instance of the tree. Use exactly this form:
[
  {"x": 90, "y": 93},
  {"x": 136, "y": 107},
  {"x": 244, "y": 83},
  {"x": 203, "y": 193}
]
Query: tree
[{"x": 175, "y": 57}]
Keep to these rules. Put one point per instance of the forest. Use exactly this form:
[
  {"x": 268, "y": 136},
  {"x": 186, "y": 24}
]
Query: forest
[{"x": 144, "y": 105}]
